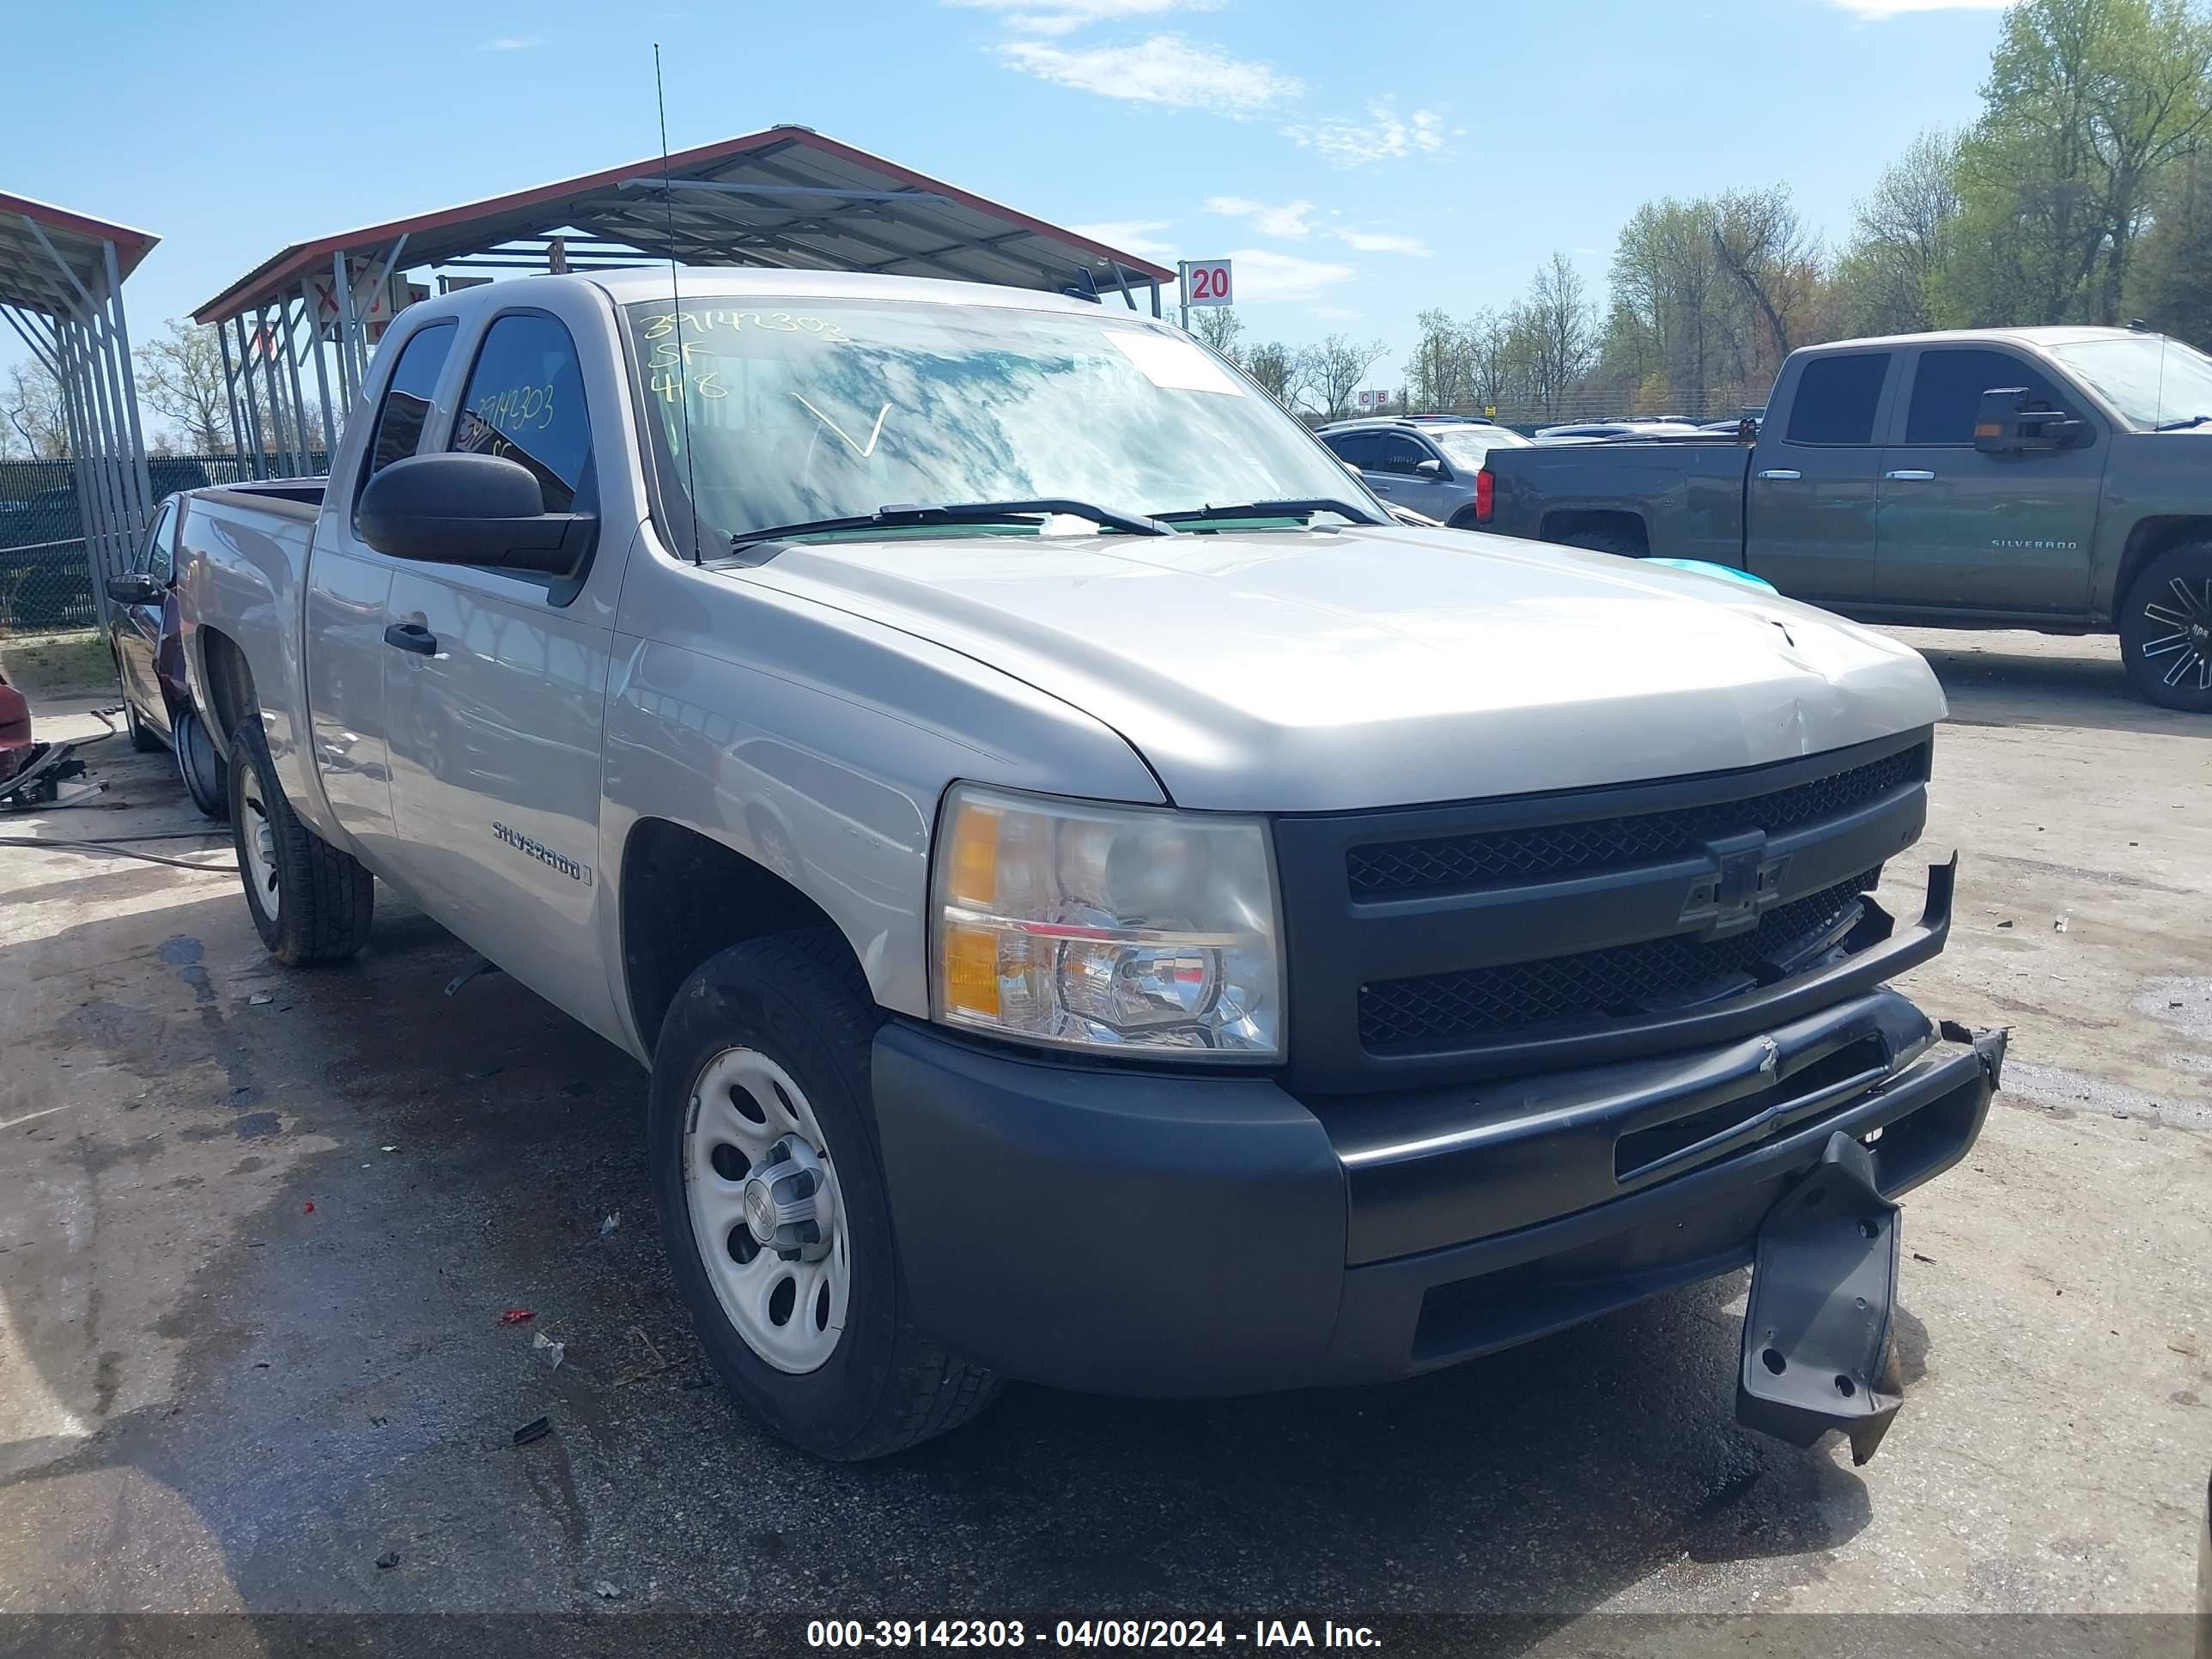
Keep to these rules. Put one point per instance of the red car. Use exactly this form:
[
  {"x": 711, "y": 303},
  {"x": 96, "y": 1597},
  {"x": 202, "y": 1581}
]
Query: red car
[{"x": 149, "y": 661}]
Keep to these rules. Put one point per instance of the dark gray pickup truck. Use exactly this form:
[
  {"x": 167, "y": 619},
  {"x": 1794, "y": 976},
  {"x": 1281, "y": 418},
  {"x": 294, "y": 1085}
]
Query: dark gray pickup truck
[{"x": 2051, "y": 478}]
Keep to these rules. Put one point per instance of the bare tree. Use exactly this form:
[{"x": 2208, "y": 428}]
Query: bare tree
[
  {"x": 1325, "y": 376},
  {"x": 1555, "y": 331},
  {"x": 1273, "y": 367},
  {"x": 180, "y": 376},
  {"x": 1764, "y": 245},
  {"x": 1220, "y": 327},
  {"x": 33, "y": 403}
]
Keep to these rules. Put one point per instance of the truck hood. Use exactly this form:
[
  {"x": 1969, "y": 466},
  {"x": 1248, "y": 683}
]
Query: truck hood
[{"x": 1321, "y": 670}]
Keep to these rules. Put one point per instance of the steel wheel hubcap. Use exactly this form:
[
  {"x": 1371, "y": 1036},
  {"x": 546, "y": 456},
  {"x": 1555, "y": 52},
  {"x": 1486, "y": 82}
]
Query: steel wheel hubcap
[
  {"x": 766, "y": 1213},
  {"x": 260, "y": 841},
  {"x": 2187, "y": 620}
]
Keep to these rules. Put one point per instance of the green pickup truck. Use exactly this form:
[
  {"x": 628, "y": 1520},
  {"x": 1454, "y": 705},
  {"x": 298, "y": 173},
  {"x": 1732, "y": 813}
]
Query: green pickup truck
[{"x": 2051, "y": 478}]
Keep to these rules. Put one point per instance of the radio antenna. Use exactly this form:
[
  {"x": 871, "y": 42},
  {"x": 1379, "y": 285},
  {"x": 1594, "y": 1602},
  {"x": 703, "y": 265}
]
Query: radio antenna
[{"x": 676, "y": 312}]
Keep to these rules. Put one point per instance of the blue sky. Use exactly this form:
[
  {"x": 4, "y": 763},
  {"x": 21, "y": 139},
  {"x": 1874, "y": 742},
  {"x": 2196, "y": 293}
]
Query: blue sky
[{"x": 1359, "y": 162}]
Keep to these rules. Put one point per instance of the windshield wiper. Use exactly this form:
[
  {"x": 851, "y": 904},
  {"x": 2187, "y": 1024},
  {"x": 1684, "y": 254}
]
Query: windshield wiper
[
  {"x": 1300, "y": 507},
  {"x": 900, "y": 514},
  {"x": 2185, "y": 421}
]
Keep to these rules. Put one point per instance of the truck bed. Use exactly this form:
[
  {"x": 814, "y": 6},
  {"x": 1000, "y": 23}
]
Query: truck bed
[{"x": 1692, "y": 489}]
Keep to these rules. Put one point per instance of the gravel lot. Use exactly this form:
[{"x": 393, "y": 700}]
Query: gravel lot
[{"x": 257, "y": 1229}]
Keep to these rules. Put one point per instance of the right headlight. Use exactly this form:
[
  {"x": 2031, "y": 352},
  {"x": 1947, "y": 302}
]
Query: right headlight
[{"x": 1111, "y": 929}]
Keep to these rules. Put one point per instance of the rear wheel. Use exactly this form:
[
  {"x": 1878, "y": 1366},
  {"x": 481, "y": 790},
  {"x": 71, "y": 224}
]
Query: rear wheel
[
  {"x": 311, "y": 902},
  {"x": 200, "y": 767},
  {"x": 2165, "y": 629}
]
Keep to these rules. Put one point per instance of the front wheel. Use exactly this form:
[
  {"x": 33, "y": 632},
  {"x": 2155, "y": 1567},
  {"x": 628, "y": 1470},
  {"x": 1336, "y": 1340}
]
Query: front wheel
[
  {"x": 773, "y": 1206},
  {"x": 2165, "y": 629},
  {"x": 310, "y": 901}
]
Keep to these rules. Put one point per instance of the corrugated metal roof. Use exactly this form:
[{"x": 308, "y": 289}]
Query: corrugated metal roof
[
  {"x": 747, "y": 200},
  {"x": 28, "y": 277}
]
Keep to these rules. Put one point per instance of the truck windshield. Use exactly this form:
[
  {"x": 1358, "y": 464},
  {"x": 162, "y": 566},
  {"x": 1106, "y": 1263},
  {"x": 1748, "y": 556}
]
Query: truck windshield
[
  {"x": 2148, "y": 379},
  {"x": 766, "y": 412}
]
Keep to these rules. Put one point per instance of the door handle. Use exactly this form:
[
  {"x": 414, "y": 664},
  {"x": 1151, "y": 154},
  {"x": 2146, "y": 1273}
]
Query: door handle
[
  {"x": 1910, "y": 475},
  {"x": 1783, "y": 472},
  {"x": 412, "y": 636}
]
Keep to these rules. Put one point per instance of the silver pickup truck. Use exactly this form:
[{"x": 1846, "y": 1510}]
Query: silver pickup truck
[{"x": 1101, "y": 902}]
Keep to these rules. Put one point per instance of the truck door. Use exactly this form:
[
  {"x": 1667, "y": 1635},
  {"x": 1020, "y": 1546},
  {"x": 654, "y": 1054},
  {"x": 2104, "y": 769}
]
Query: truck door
[
  {"x": 496, "y": 684},
  {"x": 348, "y": 584},
  {"x": 136, "y": 628},
  {"x": 1810, "y": 504},
  {"x": 1964, "y": 530}
]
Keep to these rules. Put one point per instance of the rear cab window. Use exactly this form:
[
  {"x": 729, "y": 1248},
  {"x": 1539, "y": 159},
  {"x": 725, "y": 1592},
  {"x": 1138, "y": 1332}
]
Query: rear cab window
[
  {"x": 525, "y": 401},
  {"x": 1837, "y": 398},
  {"x": 404, "y": 409}
]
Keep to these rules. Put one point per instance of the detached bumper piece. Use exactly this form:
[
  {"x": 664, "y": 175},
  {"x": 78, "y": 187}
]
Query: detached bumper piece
[{"x": 1817, "y": 1352}]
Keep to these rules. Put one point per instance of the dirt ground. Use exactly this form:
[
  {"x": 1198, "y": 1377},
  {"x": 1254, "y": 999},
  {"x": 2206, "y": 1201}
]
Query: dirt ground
[{"x": 258, "y": 1229}]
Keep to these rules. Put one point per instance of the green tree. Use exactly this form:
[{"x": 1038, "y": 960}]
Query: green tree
[
  {"x": 2088, "y": 103},
  {"x": 1437, "y": 376},
  {"x": 1271, "y": 366},
  {"x": 1887, "y": 281},
  {"x": 2170, "y": 284}
]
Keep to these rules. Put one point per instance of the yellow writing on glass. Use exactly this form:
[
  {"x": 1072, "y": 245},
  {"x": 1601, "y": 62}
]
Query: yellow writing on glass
[
  {"x": 661, "y": 325},
  {"x": 670, "y": 388},
  {"x": 517, "y": 409}
]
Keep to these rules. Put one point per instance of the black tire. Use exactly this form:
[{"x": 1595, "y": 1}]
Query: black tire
[
  {"x": 322, "y": 897},
  {"x": 1462, "y": 519},
  {"x": 143, "y": 737},
  {"x": 206, "y": 779},
  {"x": 799, "y": 999},
  {"x": 2165, "y": 629}
]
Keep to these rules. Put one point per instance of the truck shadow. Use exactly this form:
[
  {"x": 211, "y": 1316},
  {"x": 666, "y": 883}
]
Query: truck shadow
[
  {"x": 350, "y": 1183},
  {"x": 2008, "y": 679}
]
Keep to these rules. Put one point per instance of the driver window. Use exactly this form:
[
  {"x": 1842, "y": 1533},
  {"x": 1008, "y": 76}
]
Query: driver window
[
  {"x": 1402, "y": 454},
  {"x": 155, "y": 557},
  {"x": 1947, "y": 387}
]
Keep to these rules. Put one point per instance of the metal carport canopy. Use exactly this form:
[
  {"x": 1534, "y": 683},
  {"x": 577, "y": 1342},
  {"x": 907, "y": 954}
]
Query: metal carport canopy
[
  {"x": 787, "y": 195},
  {"x": 61, "y": 291}
]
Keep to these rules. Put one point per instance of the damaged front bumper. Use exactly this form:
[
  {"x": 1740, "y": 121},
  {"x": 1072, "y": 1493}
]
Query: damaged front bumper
[{"x": 1155, "y": 1234}]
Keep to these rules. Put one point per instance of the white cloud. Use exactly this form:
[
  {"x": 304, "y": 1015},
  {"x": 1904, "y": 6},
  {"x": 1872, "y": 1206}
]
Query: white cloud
[
  {"x": 1138, "y": 236},
  {"x": 1288, "y": 222},
  {"x": 1065, "y": 16},
  {"x": 1383, "y": 136},
  {"x": 1165, "y": 70},
  {"x": 511, "y": 43},
  {"x": 1874, "y": 11},
  {"x": 1378, "y": 242},
  {"x": 1263, "y": 274}
]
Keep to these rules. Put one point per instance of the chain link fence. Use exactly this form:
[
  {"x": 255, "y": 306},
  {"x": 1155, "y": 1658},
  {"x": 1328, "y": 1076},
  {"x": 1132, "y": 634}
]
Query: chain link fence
[{"x": 46, "y": 567}]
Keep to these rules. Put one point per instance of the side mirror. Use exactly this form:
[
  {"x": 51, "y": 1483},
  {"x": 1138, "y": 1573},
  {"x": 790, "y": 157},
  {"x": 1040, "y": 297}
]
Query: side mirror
[
  {"x": 137, "y": 587},
  {"x": 1429, "y": 468},
  {"x": 2011, "y": 423},
  {"x": 471, "y": 509}
]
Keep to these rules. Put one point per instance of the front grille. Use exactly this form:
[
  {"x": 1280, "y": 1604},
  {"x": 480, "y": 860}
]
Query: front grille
[
  {"x": 1495, "y": 858},
  {"x": 1439, "y": 1011}
]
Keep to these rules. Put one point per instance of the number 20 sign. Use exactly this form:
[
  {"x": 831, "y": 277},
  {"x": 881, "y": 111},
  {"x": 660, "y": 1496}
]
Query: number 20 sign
[{"x": 1205, "y": 282}]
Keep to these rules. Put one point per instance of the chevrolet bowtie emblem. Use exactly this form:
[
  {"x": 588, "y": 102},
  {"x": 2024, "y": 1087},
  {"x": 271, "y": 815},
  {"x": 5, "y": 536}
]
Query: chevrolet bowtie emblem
[{"x": 1742, "y": 880}]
